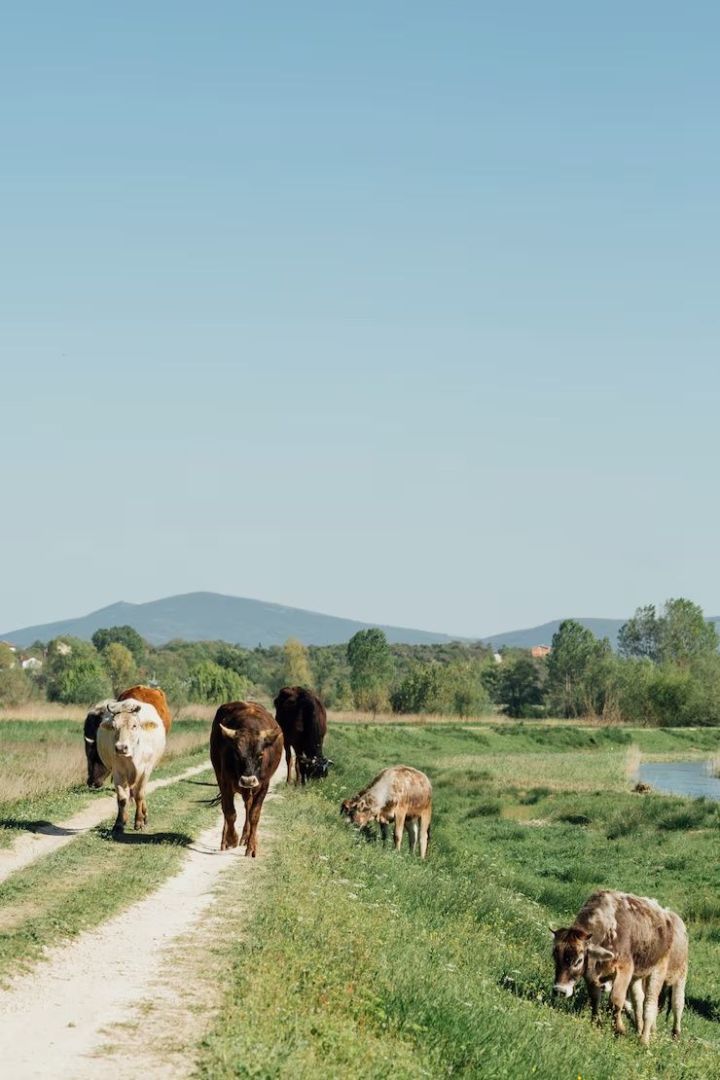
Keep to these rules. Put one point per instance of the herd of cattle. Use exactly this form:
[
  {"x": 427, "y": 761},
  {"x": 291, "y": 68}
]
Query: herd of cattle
[{"x": 627, "y": 945}]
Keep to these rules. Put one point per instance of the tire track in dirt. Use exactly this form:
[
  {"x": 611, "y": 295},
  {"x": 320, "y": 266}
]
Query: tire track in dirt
[
  {"x": 49, "y": 838},
  {"x": 57, "y": 1021}
]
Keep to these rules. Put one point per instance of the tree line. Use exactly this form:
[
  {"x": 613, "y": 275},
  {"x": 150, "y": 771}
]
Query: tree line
[{"x": 666, "y": 670}]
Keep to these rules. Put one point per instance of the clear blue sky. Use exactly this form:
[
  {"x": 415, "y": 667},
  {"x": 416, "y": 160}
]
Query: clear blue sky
[{"x": 405, "y": 312}]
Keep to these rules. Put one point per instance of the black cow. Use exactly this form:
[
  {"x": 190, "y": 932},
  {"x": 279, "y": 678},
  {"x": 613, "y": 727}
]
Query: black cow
[
  {"x": 302, "y": 717},
  {"x": 97, "y": 771}
]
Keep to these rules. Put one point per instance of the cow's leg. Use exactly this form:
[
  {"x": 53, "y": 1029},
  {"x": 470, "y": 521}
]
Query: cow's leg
[
  {"x": 413, "y": 828},
  {"x": 618, "y": 994},
  {"x": 424, "y": 832},
  {"x": 678, "y": 1004},
  {"x": 247, "y": 795},
  {"x": 638, "y": 998},
  {"x": 140, "y": 804},
  {"x": 288, "y": 760},
  {"x": 384, "y": 832},
  {"x": 652, "y": 993},
  {"x": 123, "y": 794},
  {"x": 254, "y": 817},
  {"x": 229, "y": 835},
  {"x": 399, "y": 829},
  {"x": 297, "y": 768},
  {"x": 595, "y": 995}
]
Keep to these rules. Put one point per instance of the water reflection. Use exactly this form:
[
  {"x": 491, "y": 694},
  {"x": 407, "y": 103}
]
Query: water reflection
[{"x": 681, "y": 778}]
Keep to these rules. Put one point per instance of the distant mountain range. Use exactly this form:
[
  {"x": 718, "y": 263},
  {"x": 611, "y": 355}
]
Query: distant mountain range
[
  {"x": 542, "y": 635},
  {"x": 204, "y": 616}
]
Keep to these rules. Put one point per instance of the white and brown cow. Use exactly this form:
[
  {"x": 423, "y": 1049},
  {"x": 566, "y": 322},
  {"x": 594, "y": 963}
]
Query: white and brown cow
[
  {"x": 130, "y": 742},
  {"x": 632, "y": 941},
  {"x": 401, "y": 795}
]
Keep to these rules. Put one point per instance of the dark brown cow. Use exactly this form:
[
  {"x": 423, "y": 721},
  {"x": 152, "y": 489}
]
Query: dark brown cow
[
  {"x": 630, "y": 939},
  {"x": 302, "y": 717},
  {"x": 245, "y": 749},
  {"x": 97, "y": 772}
]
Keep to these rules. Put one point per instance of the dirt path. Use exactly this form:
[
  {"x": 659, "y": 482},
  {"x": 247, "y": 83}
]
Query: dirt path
[
  {"x": 80, "y": 1014},
  {"x": 49, "y": 838}
]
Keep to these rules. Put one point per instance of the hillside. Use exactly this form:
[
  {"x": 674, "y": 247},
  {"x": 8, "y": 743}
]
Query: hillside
[
  {"x": 542, "y": 635},
  {"x": 204, "y": 616}
]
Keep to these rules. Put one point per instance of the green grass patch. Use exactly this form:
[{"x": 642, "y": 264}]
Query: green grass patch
[
  {"x": 366, "y": 963},
  {"x": 95, "y": 876}
]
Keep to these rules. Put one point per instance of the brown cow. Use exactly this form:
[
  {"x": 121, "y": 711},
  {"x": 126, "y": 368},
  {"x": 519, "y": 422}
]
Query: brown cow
[
  {"x": 399, "y": 794},
  {"x": 245, "y": 749},
  {"x": 631, "y": 939},
  {"x": 97, "y": 772},
  {"x": 153, "y": 695},
  {"x": 302, "y": 717},
  {"x": 602, "y": 970}
]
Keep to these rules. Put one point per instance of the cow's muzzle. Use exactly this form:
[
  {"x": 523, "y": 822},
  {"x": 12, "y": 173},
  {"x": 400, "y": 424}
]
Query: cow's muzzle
[
  {"x": 563, "y": 989},
  {"x": 251, "y": 782}
]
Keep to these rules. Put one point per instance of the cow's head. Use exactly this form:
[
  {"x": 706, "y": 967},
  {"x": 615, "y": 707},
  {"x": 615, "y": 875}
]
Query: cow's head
[
  {"x": 573, "y": 952},
  {"x": 97, "y": 773},
  {"x": 358, "y": 811},
  {"x": 249, "y": 747},
  {"x": 127, "y": 728},
  {"x": 313, "y": 767}
]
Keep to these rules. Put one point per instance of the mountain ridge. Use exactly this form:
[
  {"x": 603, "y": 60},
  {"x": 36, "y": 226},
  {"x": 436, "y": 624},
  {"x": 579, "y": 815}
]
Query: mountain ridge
[{"x": 208, "y": 616}]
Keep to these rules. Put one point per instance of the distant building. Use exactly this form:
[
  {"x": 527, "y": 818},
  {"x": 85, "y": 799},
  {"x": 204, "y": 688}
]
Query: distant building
[
  {"x": 497, "y": 657},
  {"x": 31, "y": 664},
  {"x": 538, "y": 651},
  {"x": 9, "y": 645}
]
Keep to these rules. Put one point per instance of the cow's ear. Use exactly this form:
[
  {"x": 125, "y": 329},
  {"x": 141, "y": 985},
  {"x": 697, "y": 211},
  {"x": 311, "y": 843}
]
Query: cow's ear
[
  {"x": 229, "y": 732},
  {"x": 600, "y": 953}
]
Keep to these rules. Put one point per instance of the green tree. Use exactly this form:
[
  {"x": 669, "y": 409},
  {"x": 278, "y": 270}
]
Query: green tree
[
  {"x": 371, "y": 669},
  {"x": 571, "y": 669},
  {"x": 519, "y": 686},
  {"x": 75, "y": 672},
  {"x": 120, "y": 665},
  {"x": 7, "y": 657},
  {"x": 296, "y": 664},
  {"x": 15, "y": 686},
  {"x": 214, "y": 685},
  {"x": 685, "y": 633},
  {"x": 419, "y": 691},
  {"x": 639, "y": 637},
  {"x": 121, "y": 635}
]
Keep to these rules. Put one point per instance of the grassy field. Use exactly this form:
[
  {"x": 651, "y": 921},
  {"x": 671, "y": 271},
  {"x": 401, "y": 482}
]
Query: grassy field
[
  {"x": 42, "y": 778},
  {"x": 42, "y": 767},
  {"x": 366, "y": 964}
]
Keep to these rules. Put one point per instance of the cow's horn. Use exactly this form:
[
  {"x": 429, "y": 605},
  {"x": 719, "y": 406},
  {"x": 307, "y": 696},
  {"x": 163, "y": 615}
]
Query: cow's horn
[
  {"x": 91, "y": 741},
  {"x": 230, "y": 732},
  {"x": 270, "y": 733}
]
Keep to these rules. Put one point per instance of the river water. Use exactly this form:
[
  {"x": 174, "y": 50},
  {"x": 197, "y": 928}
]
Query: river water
[{"x": 681, "y": 778}]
